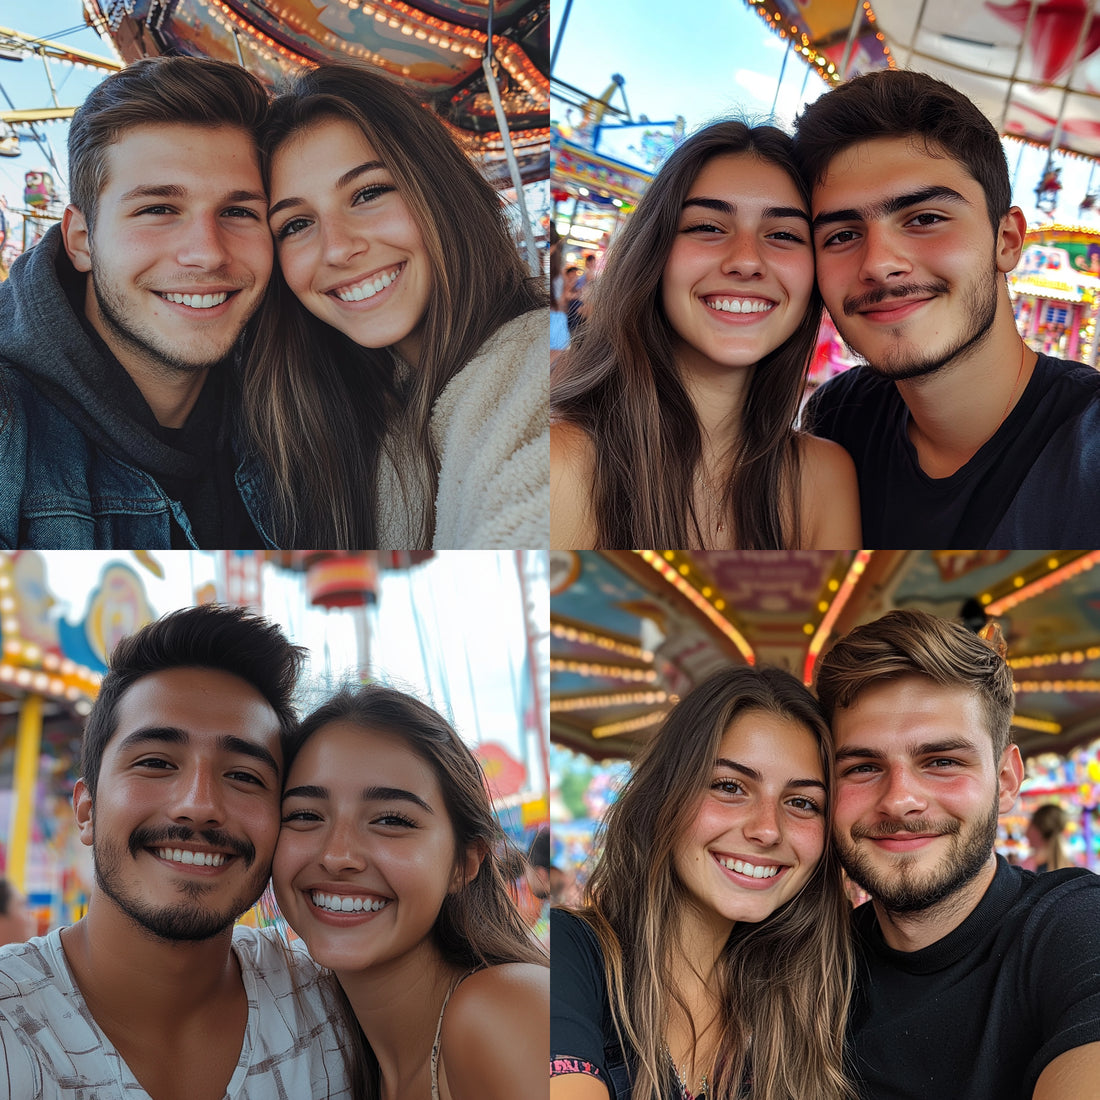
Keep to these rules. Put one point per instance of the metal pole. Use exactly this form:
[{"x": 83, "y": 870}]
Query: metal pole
[
  {"x": 28, "y": 747},
  {"x": 857, "y": 18},
  {"x": 560, "y": 34},
  {"x": 779, "y": 82}
]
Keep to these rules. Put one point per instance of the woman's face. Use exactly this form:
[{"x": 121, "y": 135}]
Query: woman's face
[
  {"x": 366, "y": 852},
  {"x": 347, "y": 243},
  {"x": 759, "y": 829},
  {"x": 738, "y": 279}
]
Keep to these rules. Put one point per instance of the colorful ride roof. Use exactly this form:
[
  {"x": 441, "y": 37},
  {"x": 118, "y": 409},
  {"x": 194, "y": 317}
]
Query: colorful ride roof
[
  {"x": 434, "y": 48},
  {"x": 633, "y": 631}
]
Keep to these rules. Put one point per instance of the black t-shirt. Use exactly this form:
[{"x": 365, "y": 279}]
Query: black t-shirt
[
  {"x": 980, "y": 1013},
  {"x": 582, "y": 1033},
  {"x": 1034, "y": 485}
]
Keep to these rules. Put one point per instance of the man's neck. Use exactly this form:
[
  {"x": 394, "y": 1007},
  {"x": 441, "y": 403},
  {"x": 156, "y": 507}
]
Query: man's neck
[
  {"x": 914, "y": 931},
  {"x": 955, "y": 411}
]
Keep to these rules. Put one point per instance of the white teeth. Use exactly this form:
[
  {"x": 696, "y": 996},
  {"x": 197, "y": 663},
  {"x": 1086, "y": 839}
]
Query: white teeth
[
  {"x": 199, "y": 859},
  {"x": 343, "y": 903},
  {"x": 197, "y": 301},
  {"x": 368, "y": 288},
  {"x": 750, "y": 869},
  {"x": 740, "y": 305}
]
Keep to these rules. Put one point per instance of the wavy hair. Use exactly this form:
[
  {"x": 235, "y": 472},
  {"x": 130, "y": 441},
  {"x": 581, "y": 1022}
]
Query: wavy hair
[
  {"x": 620, "y": 382},
  {"x": 785, "y": 982},
  {"x": 478, "y": 925},
  {"x": 320, "y": 408}
]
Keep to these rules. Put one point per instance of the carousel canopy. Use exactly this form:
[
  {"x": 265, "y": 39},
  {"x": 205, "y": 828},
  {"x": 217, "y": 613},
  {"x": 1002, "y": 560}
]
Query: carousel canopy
[
  {"x": 434, "y": 48},
  {"x": 631, "y": 632},
  {"x": 1033, "y": 66}
]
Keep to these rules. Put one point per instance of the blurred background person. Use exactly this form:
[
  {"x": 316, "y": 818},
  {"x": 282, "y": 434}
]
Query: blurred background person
[
  {"x": 16, "y": 922},
  {"x": 1044, "y": 836}
]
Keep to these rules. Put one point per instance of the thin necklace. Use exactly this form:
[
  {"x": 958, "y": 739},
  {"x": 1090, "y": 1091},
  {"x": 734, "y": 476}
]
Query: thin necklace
[
  {"x": 1015, "y": 386},
  {"x": 719, "y": 526},
  {"x": 681, "y": 1078}
]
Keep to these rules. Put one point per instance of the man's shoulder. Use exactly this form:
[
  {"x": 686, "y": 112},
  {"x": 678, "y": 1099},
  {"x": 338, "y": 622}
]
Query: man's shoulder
[
  {"x": 32, "y": 969},
  {"x": 278, "y": 969},
  {"x": 857, "y": 393}
]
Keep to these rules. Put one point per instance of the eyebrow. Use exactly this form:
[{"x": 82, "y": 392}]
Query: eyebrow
[
  {"x": 368, "y": 794},
  {"x": 341, "y": 183},
  {"x": 753, "y": 774},
  {"x": 917, "y": 748},
  {"x": 720, "y": 206},
  {"x": 172, "y": 735},
  {"x": 175, "y": 191},
  {"x": 885, "y": 207}
]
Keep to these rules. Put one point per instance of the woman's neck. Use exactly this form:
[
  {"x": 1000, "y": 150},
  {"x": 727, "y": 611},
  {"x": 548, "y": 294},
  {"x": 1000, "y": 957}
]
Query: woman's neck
[{"x": 397, "y": 1004}]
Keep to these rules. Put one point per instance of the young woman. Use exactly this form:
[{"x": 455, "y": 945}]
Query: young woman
[
  {"x": 386, "y": 869},
  {"x": 1044, "y": 836},
  {"x": 674, "y": 407},
  {"x": 710, "y": 956},
  {"x": 396, "y": 382}
]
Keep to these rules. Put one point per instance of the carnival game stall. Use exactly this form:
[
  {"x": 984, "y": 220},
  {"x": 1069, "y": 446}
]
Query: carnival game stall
[{"x": 1056, "y": 291}]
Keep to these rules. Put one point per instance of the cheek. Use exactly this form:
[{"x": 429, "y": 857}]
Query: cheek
[{"x": 807, "y": 837}]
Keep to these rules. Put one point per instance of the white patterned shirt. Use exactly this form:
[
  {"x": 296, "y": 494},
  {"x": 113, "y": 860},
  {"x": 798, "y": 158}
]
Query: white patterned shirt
[{"x": 52, "y": 1049}]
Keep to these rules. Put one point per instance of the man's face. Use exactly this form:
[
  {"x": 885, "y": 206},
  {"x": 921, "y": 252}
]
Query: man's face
[
  {"x": 186, "y": 815},
  {"x": 918, "y": 792},
  {"x": 906, "y": 258},
  {"x": 180, "y": 253}
]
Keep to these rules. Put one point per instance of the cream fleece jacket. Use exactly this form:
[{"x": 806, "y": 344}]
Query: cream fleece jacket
[{"x": 491, "y": 430}]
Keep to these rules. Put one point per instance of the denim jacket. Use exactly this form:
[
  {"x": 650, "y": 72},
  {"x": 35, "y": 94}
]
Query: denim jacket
[{"x": 67, "y": 479}]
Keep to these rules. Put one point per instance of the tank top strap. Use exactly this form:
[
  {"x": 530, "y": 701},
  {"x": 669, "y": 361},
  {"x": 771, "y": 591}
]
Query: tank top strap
[{"x": 439, "y": 1032}]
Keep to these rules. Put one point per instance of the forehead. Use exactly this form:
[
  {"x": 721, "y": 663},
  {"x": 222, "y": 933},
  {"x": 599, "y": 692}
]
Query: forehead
[
  {"x": 207, "y": 704},
  {"x": 744, "y": 177},
  {"x": 210, "y": 159},
  {"x": 869, "y": 171},
  {"x": 909, "y": 709},
  {"x": 323, "y": 150},
  {"x": 345, "y": 755},
  {"x": 771, "y": 744}
]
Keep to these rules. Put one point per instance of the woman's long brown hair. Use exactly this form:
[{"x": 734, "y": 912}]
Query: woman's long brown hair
[
  {"x": 620, "y": 383},
  {"x": 785, "y": 982},
  {"x": 320, "y": 408}
]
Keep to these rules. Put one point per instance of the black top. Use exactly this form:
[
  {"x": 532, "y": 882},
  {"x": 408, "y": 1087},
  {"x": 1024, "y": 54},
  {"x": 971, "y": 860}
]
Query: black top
[
  {"x": 582, "y": 1032},
  {"x": 980, "y": 1013},
  {"x": 1034, "y": 485}
]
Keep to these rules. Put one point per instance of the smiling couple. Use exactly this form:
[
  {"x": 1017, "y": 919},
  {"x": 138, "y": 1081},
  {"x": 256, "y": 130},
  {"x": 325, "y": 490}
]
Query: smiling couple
[
  {"x": 384, "y": 863},
  {"x": 675, "y": 404},
  {"x": 162, "y": 386},
  {"x": 715, "y": 953}
]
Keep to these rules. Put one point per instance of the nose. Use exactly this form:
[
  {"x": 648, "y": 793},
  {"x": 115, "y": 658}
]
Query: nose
[
  {"x": 203, "y": 244},
  {"x": 342, "y": 850},
  {"x": 882, "y": 260},
  {"x": 339, "y": 242},
  {"x": 762, "y": 824},
  {"x": 199, "y": 798},
  {"x": 901, "y": 794},
  {"x": 743, "y": 257}
]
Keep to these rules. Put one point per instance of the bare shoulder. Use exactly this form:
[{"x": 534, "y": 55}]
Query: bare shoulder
[
  {"x": 572, "y": 462},
  {"x": 496, "y": 1033},
  {"x": 829, "y": 496}
]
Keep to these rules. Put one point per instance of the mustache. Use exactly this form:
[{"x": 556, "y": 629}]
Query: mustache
[
  {"x": 882, "y": 294},
  {"x": 893, "y": 828},
  {"x": 145, "y": 837}
]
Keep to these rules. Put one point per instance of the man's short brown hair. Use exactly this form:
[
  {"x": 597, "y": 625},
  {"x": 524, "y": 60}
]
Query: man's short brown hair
[
  {"x": 915, "y": 643},
  {"x": 156, "y": 91}
]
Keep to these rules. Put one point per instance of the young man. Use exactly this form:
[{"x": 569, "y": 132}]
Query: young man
[
  {"x": 975, "y": 980},
  {"x": 16, "y": 924},
  {"x": 154, "y": 993},
  {"x": 958, "y": 430},
  {"x": 117, "y": 401}
]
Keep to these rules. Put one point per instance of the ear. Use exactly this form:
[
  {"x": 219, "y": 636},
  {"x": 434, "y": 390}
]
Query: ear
[
  {"x": 82, "y": 807},
  {"x": 1010, "y": 239},
  {"x": 74, "y": 231},
  {"x": 1009, "y": 778},
  {"x": 467, "y": 867}
]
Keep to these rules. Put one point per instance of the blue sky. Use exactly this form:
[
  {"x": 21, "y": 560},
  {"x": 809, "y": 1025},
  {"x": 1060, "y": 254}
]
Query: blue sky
[{"x": 703, "y": 60}]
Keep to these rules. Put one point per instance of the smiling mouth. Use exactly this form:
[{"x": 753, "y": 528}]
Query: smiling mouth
[
  {"x": 187, "y": 858},
  {"x": 196, "y": 301},
  {"x": 369, "y": 287},
  {"x": 750, "y": 870},
  {"x": 346, "y": 903},
  {"x": 739, "y": 305}
]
